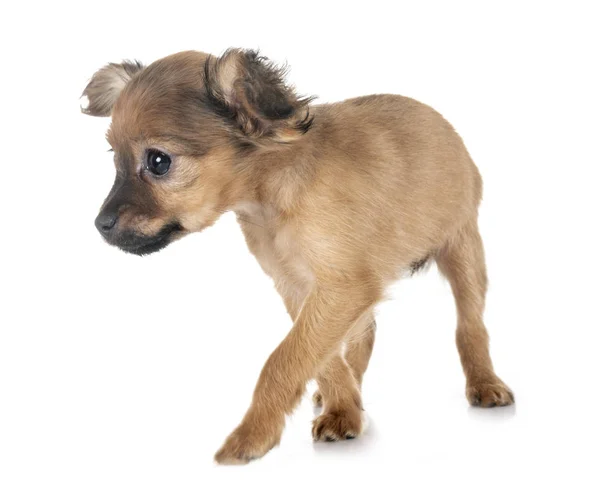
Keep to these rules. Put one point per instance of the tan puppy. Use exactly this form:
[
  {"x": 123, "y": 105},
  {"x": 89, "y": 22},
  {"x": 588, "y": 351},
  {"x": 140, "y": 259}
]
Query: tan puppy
[{"x": 336, "y": 202}]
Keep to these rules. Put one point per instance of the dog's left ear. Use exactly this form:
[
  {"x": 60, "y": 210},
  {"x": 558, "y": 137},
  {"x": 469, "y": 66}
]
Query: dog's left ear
[
  {"x": 106, "y": 85},
  {"x": 250, "y": 92}
]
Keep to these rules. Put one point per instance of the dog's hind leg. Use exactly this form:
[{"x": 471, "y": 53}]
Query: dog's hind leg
[{"x": 462, "y": 261}]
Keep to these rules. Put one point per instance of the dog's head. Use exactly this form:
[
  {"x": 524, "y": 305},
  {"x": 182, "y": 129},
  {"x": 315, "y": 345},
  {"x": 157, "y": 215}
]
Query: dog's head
[{"x": 183, "y": 132}]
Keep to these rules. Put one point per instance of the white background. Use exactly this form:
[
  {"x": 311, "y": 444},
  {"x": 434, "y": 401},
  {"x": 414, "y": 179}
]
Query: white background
[{"x": 123, "y": 375}]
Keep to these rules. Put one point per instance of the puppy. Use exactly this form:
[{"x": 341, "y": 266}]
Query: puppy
[{"x": 336, "y": 201}]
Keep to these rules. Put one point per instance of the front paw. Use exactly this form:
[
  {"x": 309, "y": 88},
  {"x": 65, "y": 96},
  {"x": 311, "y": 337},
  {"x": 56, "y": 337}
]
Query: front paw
[
  {"x": 492, "y": 394},
  {"x": 245, "y": 444},
  {"x": 343, "y": 424}
]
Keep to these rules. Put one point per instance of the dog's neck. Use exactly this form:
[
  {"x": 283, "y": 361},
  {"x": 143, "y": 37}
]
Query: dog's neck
[{"x": 275, "y": 183}]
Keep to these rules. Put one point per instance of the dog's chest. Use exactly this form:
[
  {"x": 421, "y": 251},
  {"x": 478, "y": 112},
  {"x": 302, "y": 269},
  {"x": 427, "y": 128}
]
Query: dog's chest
[
  {"x": 288, "y": 251},
  {"x": 275, "y": 243}
]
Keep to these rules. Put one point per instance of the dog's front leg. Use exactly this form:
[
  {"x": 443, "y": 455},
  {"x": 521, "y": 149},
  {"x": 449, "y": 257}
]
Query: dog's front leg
[{"x": 328, "y": 313}]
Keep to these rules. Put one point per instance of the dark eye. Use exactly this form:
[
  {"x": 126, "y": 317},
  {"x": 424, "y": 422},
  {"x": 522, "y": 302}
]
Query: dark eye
[{"x": 158, "y": 162}]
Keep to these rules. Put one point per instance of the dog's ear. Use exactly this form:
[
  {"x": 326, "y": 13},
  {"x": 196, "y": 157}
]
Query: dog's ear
[
  {"x": 250, "y": 92},
  {"x": 106, "y": 85}
]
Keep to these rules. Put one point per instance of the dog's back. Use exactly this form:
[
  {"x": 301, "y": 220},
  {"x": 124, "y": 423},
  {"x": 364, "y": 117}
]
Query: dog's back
[{"x": 392, "y": 168}]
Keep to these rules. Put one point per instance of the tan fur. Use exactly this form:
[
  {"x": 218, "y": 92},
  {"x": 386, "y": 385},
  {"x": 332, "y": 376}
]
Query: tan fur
[{"x": 334, "y": 216}]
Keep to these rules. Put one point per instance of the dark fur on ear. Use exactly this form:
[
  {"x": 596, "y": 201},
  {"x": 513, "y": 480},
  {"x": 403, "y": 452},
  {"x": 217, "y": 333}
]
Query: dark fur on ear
[
  {"x": 106, "y": 85},
  {"x": 250, "y": 91}
]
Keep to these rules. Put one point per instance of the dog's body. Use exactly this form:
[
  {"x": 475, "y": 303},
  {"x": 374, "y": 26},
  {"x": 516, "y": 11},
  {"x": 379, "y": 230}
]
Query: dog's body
[{"x": 335, "y": 201}]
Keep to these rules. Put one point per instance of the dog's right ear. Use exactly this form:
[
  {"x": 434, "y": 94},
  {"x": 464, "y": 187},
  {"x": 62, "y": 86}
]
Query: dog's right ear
[{"x": 106, "y": 85}]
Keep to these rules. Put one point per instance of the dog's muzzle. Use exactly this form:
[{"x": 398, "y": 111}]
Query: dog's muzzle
[{"x": 130, "y": 241}]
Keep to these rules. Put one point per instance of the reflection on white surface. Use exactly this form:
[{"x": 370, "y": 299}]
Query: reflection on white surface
[{"x": 492, "y": 414}]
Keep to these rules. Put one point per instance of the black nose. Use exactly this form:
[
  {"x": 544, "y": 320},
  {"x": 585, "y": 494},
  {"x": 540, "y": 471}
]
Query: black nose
[{"x": 105, "y": 222}]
